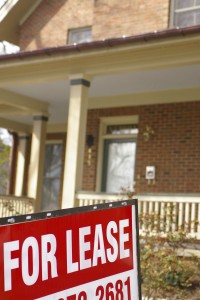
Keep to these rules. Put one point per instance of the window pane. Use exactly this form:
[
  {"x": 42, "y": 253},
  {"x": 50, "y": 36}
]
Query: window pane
[
  {"x": 122, "y": 129},
  {"x": 52, "y": 176},
  {"x": 121, "y": 164},
  {"x": 186, "y": 19},
  {"x": 51, "y": 190},
  {"x": 184, "y": 3},
  {"x": 80, "y": 35},
  {"x": 197, "y": 16},
  {"x": 53, "y": 160}
]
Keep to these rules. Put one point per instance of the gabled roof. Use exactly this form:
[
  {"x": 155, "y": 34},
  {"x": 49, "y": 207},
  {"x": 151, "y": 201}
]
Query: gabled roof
[{"x": 12, "y": 14}]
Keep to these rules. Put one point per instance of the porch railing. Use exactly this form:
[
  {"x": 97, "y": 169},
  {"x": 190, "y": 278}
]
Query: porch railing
[
  {"x": 157, "y": 213},
  {"x": 12, "y": 206}
]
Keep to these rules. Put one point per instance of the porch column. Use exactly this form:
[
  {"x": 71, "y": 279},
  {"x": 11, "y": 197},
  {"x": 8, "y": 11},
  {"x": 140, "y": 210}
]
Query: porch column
[
  {"x": 76, "y": 129},
  {"x": 21, "y": 165},
  {"x": 37, "y": 160},
  {"x": 13, "y": 161}
]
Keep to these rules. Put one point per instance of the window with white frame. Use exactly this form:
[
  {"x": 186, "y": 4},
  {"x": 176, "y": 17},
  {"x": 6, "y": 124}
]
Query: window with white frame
[
  {"x": 52, "y": 175},
  {"x": 80, "y": 35},
  {"x": 185, "y": 13},
  {"x": 116, "y": 153}
]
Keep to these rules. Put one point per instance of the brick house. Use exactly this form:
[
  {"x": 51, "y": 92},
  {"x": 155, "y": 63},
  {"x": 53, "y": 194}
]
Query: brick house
[{"x": 103, "y": 95}]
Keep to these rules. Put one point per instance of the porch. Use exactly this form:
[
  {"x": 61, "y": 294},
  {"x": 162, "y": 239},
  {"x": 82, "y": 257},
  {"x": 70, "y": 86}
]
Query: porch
[
  {"x": 13, "y": 205},
  {"x": 96, "y": 93},
  {"x": 157, "y": 213}
]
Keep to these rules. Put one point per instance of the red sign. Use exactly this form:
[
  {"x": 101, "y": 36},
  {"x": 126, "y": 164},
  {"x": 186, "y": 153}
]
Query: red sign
[{"x": 85, "y": 255}]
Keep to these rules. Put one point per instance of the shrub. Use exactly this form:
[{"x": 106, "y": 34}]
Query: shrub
[{"x": 166, "y": 273}]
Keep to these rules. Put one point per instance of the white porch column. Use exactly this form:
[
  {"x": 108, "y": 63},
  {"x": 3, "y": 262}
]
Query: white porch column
[
  {"x": 37, "y": 160},
  {"x": 21, "y": 164},
  {"x": 76, "y": 129}
]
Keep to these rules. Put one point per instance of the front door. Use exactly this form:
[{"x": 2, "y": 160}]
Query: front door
[
  {"x": 118, "y": 165},
  {"x": 52, "y": 176}
]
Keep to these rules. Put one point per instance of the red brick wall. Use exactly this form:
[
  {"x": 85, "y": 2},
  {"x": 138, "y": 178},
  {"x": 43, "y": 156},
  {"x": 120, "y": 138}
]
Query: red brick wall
[
  {"x": 113, "y": 18},
  {"x": 174, "y": 149},
  {"x": 49, "y": 23}
]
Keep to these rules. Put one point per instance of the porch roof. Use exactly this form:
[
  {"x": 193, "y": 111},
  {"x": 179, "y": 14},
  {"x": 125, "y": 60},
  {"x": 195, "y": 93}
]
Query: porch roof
[
  {"x": 158, "y": 67},
  {"x": 172, "y": 33}
]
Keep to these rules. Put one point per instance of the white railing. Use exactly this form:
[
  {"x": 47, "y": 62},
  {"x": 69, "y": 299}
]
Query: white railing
[
  {"x": 87, "y": 198},
  {"x": 156, "y": 213},
  {"x": 12, "y": 206},
  {"x": 170, "y": 214}
]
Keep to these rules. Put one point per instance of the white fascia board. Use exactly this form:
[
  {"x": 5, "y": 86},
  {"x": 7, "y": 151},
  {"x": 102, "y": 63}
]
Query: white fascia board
[
  {"x": 29, "y": 12},
  {"x": 15, "y": 126},
  {"x": 7, "y": 8}
]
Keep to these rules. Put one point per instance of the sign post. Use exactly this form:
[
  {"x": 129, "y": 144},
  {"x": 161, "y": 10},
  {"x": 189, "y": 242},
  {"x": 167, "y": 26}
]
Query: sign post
[{"x": 88, "y": 253}]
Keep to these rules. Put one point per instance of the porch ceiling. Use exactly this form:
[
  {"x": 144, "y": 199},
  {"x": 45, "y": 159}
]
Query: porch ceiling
[
  {"x": 161, "y": 72},
  {"x": 134, "y": 88},
  {"x": 118, "y": 84}
]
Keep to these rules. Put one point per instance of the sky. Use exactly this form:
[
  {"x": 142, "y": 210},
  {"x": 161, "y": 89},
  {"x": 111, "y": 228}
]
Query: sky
[
  {"x": 2, "y": 2},
  {"x": 6, "y": 137}
]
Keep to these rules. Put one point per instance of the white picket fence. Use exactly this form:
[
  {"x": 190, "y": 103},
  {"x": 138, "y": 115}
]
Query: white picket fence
[{"x": 157, "y": 213}]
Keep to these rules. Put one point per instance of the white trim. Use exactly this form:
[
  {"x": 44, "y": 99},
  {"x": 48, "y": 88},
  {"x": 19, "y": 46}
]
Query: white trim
[
  {"x": 7, "y": 8},
  {"x": 25, "y": 103},
  {"x": 29, "y": 12},
  {"x": 171, "y": 15},
  {"x": 15, "y": 126},
  {"x": 119, "y": 136},
  {"x": 186, "y": 9},
  {"x": 57, "y": 128},
  {"x": 20, "y": 167},
  {"x": 54, "y": 142},
  {"x": 174, "y": 11},
  {"x": 104, "y": 122},
  {"x": 72, "y": 31},
  {"x": 169, "y": 198},
  {"x": 120, "y": 120},
  {"x": 179, "y": 203}
]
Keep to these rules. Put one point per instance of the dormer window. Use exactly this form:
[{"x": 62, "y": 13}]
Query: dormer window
[
  {"x": 80, "y": 35},
  {"x": 185, "y": 13}
]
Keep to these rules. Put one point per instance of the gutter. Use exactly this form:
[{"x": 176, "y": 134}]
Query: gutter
[{"x": 101, "y": 44}]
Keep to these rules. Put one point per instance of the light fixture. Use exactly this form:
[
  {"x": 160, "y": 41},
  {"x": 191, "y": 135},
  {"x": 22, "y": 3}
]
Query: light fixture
[
  {"x": 148, "y": 133},
  {"x": 90, "y": 140}
]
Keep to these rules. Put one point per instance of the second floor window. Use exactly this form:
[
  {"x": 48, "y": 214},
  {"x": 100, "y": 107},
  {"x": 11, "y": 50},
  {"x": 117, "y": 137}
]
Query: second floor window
[
  {"x": 79, "y": 35},
  {"x": 185, "y": 13}
]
